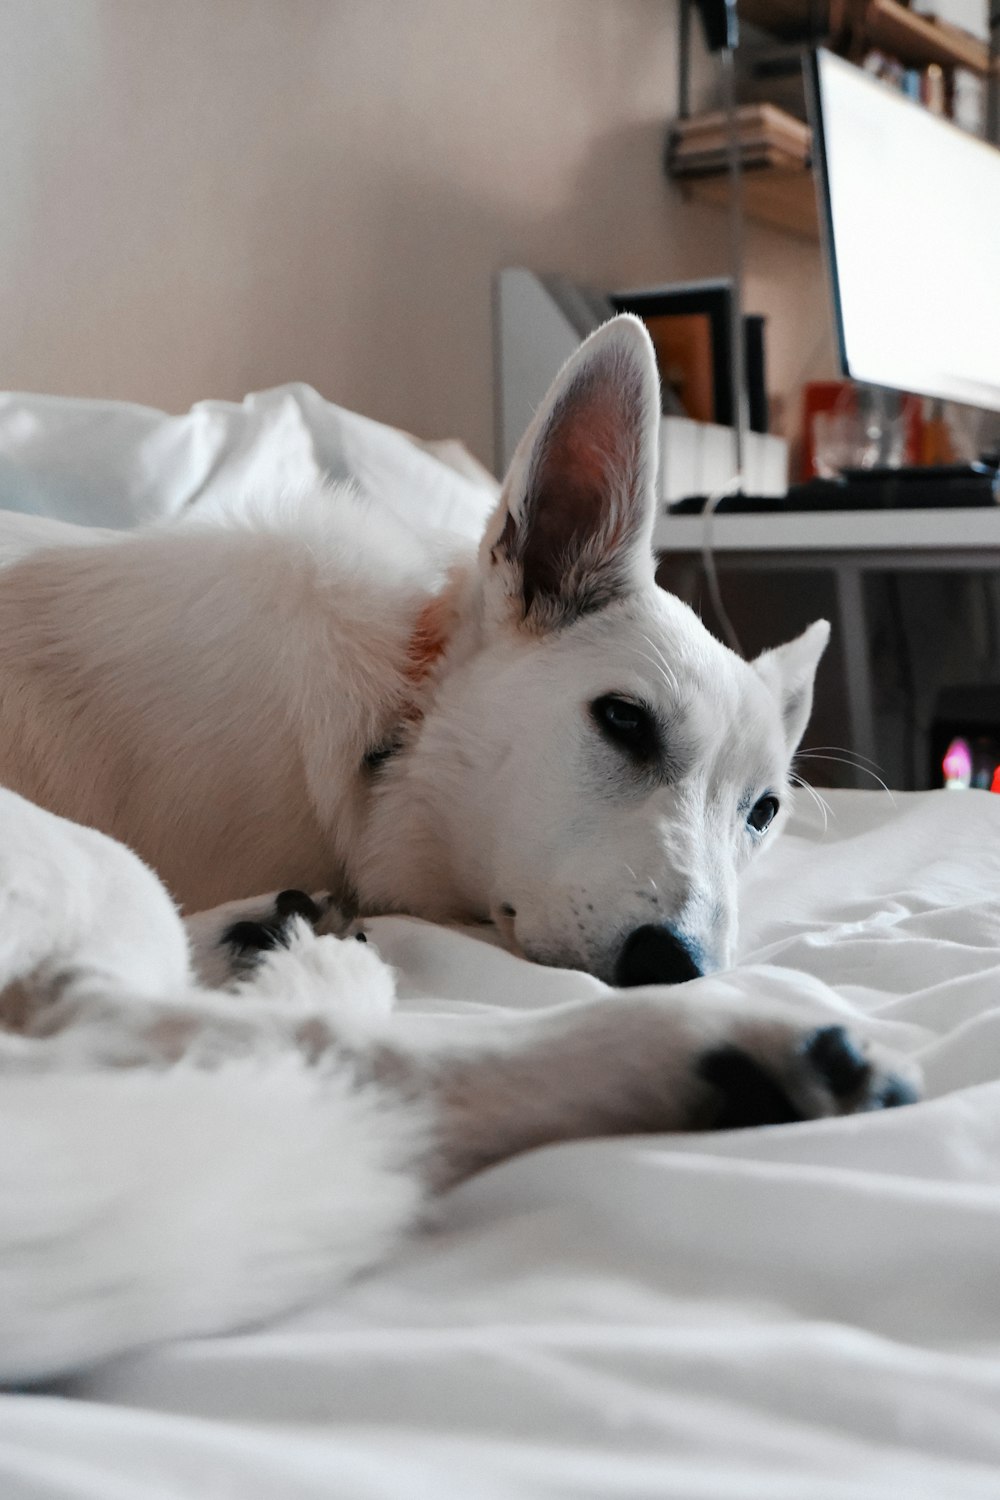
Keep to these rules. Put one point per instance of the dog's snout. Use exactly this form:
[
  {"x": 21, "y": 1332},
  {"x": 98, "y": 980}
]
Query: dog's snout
[{"x": 653, "y": 954}]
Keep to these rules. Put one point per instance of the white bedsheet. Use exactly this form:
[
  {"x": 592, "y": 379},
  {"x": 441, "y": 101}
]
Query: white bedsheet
[
  {"x": 116, "y": 464},
  {"x": 810, "y": 1311}
]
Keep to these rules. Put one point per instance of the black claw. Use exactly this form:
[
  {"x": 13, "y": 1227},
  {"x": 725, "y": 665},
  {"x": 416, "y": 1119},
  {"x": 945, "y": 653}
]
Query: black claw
[
  {"x": 251, "y": 937},
  {"x": 838, "y": 1059},
  {"x": 272, "y": 932},
  {"x": 895, "y": 1092},
  {"x": 297, "y": 904},
  {"x": 748, "y": 1095}
]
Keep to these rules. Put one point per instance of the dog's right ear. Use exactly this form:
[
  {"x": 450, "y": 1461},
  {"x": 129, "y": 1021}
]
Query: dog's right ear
[
  {"x": 573, "y": 529},
  {"x": 789, "y": 672}
]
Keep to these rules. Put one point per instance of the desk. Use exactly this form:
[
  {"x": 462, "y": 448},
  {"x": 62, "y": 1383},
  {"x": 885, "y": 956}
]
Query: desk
[{"x": 846, "y": 544}]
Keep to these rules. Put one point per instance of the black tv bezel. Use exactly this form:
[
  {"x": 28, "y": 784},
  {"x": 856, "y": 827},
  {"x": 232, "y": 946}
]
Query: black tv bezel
[
  {"x": 828, "y": 243},
  {"x": 824, "y": 205}
]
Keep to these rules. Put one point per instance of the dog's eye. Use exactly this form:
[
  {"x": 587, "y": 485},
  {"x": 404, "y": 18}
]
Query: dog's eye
[
  {"x": 763, "y": 814},
  {"x": 626, "y": 724}
]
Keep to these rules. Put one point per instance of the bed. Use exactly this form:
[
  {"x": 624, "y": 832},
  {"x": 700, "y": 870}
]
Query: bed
[{"x": 808, "y": 1311}]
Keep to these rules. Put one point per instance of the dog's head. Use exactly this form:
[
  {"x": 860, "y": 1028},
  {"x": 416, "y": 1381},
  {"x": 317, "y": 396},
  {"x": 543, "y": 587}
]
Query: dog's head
[{"x": 614, "y": 766}]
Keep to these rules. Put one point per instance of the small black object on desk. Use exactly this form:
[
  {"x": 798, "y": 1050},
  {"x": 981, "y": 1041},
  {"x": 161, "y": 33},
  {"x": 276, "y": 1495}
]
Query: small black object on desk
[{"x": 937, "y": 487}]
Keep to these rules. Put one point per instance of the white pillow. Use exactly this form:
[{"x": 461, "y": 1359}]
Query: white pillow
[{"x": 111, "y": 463}]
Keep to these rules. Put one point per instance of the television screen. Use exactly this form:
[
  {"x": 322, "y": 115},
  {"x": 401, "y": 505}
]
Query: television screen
[{"x": 910, "y": 209}]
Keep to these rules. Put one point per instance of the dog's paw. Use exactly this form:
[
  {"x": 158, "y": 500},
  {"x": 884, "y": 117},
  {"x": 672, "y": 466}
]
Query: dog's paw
[
  {"x": 339, "y": 981},
  {"x": 271, "y": 927},
  {"x": 227, "y": 943},
  {"x": 777, "y": 1073}
]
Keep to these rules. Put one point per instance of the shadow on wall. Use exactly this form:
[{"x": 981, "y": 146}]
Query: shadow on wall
[
  {"x": 416, "y": 333},
  {"x": 208, "y": 200}
]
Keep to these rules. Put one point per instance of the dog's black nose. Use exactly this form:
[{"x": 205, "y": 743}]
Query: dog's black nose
[{"x": 654, "y": 955}]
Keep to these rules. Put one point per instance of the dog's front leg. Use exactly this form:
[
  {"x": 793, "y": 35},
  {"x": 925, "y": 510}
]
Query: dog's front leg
[
  {"x": 637, "y": 1064},
  {"x": 320, "y": 998}
]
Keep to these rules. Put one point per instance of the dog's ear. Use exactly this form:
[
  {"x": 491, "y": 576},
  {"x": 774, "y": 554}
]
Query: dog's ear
[
  {"x": 790, "y": 672},
  {"x": 573, "y": 529}
]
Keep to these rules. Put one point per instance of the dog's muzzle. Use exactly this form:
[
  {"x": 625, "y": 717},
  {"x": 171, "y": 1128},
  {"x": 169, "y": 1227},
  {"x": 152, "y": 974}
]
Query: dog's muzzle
[{"x": 654, "y": 954}]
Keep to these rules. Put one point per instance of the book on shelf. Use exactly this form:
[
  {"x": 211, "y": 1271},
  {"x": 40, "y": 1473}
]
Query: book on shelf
[
  {"x": 758, "y": 122},
  {"x": 753, "y": 156}
]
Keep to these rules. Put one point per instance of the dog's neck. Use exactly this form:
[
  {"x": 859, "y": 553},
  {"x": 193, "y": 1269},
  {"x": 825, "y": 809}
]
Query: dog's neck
[
  {"x": 405, "y": 809},
  {"x": 435, "y": 634},
  {"x": 434, "y": 631}
]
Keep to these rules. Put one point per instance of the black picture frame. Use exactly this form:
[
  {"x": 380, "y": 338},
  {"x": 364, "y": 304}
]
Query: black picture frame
[{"x": 710, "y": 299}]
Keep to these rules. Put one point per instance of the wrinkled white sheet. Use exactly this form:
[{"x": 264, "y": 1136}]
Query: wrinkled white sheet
[
  {"x": 111, "y": 463},
  {"x": 810, "y": 1311}
]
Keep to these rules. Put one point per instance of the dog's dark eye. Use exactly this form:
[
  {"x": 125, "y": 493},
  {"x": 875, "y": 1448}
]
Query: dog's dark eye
[
  {"x": 763, "y": 814},
  {"x": 626, "y": 724}
]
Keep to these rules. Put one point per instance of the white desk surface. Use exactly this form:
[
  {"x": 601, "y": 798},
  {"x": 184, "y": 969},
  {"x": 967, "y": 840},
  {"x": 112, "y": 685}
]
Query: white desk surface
[{"x": 837, "y": 531}]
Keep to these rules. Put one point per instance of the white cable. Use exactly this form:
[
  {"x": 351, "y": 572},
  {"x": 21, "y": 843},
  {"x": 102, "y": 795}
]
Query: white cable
[
  {"x": 737, "y": 329},
  {"x": 731, "y": 487},
  {"x": 737, "y": 332}
]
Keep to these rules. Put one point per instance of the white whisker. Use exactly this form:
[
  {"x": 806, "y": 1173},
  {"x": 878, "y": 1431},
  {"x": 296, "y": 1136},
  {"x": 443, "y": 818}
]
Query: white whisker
[
  {"x": 667, "y": 668},
  {"x": 670, "y": 682},
  {"x": 656, "y": 668},
  {"x": 820, "y": 802},
  {"x": 843, "y": 750},
  {"x": 855, "y": 766}
]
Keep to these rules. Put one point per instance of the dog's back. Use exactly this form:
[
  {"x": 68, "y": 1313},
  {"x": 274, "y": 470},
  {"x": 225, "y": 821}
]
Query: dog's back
[{"x": 206, "y": 693}]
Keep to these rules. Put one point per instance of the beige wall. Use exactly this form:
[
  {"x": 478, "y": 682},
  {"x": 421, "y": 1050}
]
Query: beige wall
[{"x": 202, "y": 197}]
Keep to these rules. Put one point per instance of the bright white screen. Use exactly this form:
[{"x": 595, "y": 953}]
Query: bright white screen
[{"x": 914, "y": 206}]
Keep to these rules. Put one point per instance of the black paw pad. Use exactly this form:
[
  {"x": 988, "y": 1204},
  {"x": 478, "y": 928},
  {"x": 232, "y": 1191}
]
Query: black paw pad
[
  {"x": 271, "y": 932},
  {"x": 747, "y": 1095},
  {"x": 253, "y": 937},
  {"x": 838, "y": 1060},
  {"x": 297, "y": 904},
  {"x": 895, "y": 1092}
]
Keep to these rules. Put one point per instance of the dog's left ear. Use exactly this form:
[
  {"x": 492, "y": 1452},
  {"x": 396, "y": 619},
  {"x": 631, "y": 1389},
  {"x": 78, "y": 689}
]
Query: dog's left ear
[
  {"x": 573, "y": 529},
  {"x": 790, "y": 672}
]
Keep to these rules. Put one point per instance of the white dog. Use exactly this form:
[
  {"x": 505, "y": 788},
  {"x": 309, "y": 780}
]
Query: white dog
[
  {"x": 539, "y": 735},
  {"x": 536, "y": 735}
]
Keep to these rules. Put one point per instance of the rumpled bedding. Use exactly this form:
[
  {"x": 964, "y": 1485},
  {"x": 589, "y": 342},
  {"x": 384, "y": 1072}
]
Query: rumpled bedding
[
  {"x": 115, "y": 464},
  {"x": 806, "y": 1311}
]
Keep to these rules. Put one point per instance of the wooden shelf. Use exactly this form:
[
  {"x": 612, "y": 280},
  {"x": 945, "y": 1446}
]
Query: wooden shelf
[
  {"x": 792, "y": 20},
  {"x": 781, "y": 197},
  {"x": 784, "y": 197},
  {"x": 856, "y": 25},
  {"x": 918, "y": 42}
]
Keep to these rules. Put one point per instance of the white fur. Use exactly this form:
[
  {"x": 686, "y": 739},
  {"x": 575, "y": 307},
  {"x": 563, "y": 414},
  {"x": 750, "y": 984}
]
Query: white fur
[
  {"x": 207, "y": 694},
  {"x": 140, "y": 1206},
  {"x": 180, "y": 1158},
  {"x": 178, "y": 1161}
]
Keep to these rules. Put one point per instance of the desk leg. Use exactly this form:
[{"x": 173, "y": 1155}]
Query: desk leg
[{"x": 853, "y": 626}]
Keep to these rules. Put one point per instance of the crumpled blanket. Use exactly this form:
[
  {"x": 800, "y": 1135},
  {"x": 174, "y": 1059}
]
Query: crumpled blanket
[{"x": 806, "y": 1312}]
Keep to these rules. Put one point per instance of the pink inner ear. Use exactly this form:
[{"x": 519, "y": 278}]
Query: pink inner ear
[{"x": 583, "y": 492}]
